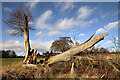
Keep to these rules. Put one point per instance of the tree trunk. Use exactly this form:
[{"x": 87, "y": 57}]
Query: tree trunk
[
  {"x": 34, "y": 55},
  {"x": 26, "y": 37},
  {"x": 66, "y": 56}
]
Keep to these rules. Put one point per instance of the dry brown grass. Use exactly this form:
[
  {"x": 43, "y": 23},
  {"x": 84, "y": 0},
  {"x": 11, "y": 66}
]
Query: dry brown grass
[{"x": 82, "y": 69}]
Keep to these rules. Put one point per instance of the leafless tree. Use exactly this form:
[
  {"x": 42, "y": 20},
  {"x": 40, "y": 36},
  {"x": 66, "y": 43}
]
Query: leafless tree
[
  {"x": 18, "y": 23},
  {"x": 116, "y": 44},
  {"x": 76, "y": 43},
  {"x": 95, "y": 49},
  {"x": 16, "y": 20}
]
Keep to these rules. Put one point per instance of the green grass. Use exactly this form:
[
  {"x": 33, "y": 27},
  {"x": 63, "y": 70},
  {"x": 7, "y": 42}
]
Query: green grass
[{"x": 10, "y": 61}]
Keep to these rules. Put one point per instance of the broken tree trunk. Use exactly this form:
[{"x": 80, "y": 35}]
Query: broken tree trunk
[
  {"x": 66, "y": 56},
  {"x": 26, "y": 38},
  {"x": 34, "y": 55},
  {"x": 32, "y": 58}
]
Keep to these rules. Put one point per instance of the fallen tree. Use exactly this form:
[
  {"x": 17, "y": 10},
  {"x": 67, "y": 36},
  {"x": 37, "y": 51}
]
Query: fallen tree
[{"x": 67, "y": 55}]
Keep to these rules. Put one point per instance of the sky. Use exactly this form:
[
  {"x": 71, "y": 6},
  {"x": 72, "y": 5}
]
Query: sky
[{"x": 62, "y": 19}]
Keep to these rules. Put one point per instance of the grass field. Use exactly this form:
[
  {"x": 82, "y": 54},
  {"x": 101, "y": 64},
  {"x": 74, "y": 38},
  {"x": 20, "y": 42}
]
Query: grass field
[
  {"x": 11, "y": 67},
  {"x": 10, "y": 61}
]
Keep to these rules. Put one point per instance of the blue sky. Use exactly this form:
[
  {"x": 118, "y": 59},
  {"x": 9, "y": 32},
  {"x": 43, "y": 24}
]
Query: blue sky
[{"x": 62, "y": 19}]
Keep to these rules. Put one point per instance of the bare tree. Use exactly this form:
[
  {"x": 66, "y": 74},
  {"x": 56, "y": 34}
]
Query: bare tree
[
  {"x": 76, "y": 43},
  {"x": 116, "y": 44},
  {"x": 95, "y": 49},
  {"x": 18, "y": 22}
]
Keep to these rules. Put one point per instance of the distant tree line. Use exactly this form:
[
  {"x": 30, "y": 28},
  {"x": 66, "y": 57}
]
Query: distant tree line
[
  {"x": 47, "y": 53},
  {"x": 12, "y": 54},
  {"x": 8, "y": 54},
  {"x": 95, "y": 50}
]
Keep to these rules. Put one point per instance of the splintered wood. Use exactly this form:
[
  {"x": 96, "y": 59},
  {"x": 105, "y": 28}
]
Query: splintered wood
[
  {"x": 32, "y": 59},
  {"x": 66, "y": 56}
]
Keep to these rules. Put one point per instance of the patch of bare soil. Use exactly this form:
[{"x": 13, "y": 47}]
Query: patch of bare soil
[{"x": 82, "y": 69}]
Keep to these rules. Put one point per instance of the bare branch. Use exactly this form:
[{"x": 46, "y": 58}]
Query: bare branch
[{"x": 16, "y": 20}]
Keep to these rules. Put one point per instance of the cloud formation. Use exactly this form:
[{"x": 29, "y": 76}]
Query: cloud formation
[
  {"x": 41, "y": 22},
  {"x": 81, "y": 34},
  {"x": 38, "y": 34},
  {"x": 18, "y": 46},
  {"x": 32, "y": 5},
  {"x": 65, "y": 23},
  {"x": 64, "y": 6},
  {"x": 42, "y": 46},
  {"x": 13, "y": 45},
  {"x": 7, "y": 9},
  {"x": 53, "y": 32},
  {"x": 107, "y": 43},
  {"x": 84, "y": 12},
  {"x": 111, "y": 41},
  {"x": 108, "y": 27}
]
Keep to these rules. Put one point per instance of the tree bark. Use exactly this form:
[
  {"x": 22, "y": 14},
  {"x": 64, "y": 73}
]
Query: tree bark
[
  {"x": 26, "y": 37},
  {"x": 34, "y": 55},
  {"x": 66, "y": 56}
]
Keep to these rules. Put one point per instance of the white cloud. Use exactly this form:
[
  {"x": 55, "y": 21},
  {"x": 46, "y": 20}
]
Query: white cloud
[
  {"x": 53, "y": 32},
  {"x": 32, "y": 5},
  {"x": 13, "y": 45},
  {"x": 62, "y": 24},
  {"x": 107, "y": 43},
  {"x": 18, "y": 46},
  {"x": 42, "y": 24},
  {"x": 42, "y": 46},
  {"x": 108, "y": 27},
  {"x": 111, "y": 25},
  {"x": 7, "y": 9},
  {"x": 84, "y": 12},
  {"x": 110, "y": 41},
  {"x": 81, "y": 34},
  {"x": 100, "y": 30},
  {"x": 38, "y": 34},
  {"x": 69, "y": 23},
  {"x": 64, "y": 6},
  {"x": 41, "y": 21}
]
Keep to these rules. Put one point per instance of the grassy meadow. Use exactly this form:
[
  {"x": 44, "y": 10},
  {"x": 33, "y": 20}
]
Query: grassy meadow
[
  {"x": 7, "y": 62},
  {"x": 11, "y": 61}
]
